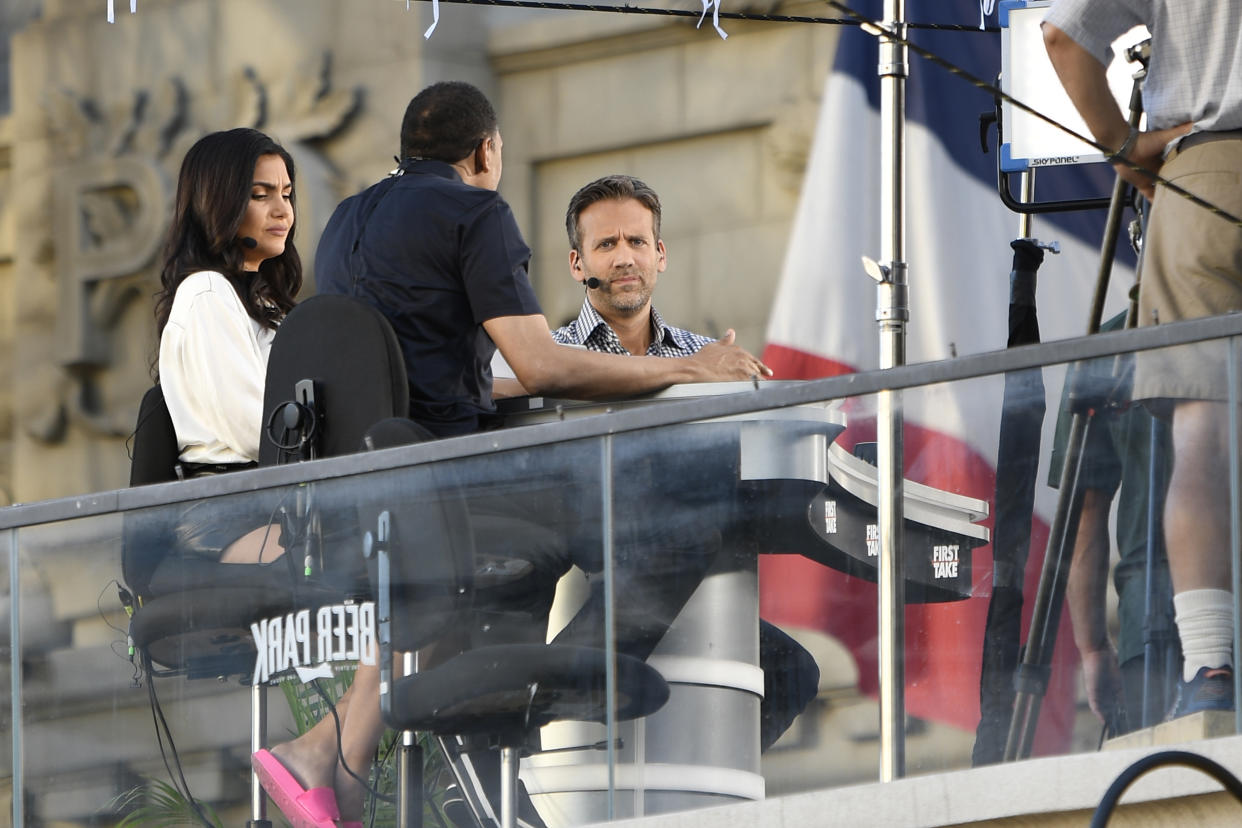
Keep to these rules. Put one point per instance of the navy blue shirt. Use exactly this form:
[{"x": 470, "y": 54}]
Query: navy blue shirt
[{"x": 438, "y": 257}]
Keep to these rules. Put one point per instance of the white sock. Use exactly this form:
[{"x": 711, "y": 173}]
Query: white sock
[{"x": 1205, "y": 624}]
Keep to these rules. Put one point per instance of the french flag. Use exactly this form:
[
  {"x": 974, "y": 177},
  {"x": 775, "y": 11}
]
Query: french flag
[{"x": 957, "y": 245}]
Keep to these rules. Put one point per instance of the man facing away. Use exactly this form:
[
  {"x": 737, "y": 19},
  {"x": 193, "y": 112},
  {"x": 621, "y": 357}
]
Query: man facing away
[{"x": 1192, "y": 267}]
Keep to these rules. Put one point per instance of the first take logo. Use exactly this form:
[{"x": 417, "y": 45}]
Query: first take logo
[
  {"x": 339, "y": 632},
  {"x": 830, "y": 517},
  {"x": 873, "y": 540},
  {"x": 944, "y": 561}
]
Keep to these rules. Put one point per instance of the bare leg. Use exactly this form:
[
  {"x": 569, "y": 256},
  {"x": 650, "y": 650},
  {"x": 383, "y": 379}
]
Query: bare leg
[
  {"x": 1196, "y": 514},
  {"x": 1197, "y": 537},
  {"x": 359, "y": 739},
  {"x": 261, "y": 545}
]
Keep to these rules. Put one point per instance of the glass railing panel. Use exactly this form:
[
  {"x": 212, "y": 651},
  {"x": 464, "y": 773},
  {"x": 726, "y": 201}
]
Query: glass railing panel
[
  {"x": 471, "y": 551},
  {"x": 91, "y": 751},
  {"x": 690, "y": 506},
  {"x": 953, "y": 456},
  {"x": 731, "y": 556},
  {"x": 819, "y": 585}
]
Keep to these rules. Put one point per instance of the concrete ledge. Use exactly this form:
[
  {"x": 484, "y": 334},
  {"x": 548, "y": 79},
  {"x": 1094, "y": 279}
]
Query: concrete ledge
[
  {"x": 1185, "y": 730},
  {"x": 1051, "y": 791}
]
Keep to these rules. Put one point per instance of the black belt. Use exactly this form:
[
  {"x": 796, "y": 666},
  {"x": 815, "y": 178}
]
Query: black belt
[
  {"x": 1197, "y": 138},
  {"x": 189, "y": 470}
]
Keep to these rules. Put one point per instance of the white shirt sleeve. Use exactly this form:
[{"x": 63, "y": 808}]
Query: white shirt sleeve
[
  {"x": 1095, "y": 24},
  {"x": 500, "y": 367},
  {"x": 213, "y": 364}
]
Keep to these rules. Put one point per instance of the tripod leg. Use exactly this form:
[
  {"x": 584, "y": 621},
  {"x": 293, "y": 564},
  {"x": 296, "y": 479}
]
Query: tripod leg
[{"x": 1031, "y": 680}]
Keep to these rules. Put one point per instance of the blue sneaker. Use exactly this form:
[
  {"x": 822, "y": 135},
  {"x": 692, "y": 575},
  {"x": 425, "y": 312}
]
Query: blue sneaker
[{"x": 1210, "y": 689}]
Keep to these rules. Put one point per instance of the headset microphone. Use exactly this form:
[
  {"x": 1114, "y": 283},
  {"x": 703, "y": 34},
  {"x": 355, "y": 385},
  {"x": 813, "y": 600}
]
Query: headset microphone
[
  {"x": 593, "y": 283},
  {"x": 248, "y": 243}
]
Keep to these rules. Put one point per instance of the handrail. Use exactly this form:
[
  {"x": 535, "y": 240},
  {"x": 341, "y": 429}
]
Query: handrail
[{"x": 669, "y": 413}]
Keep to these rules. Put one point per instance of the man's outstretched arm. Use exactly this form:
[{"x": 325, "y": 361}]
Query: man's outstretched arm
[{"x": 544, "y": 367}]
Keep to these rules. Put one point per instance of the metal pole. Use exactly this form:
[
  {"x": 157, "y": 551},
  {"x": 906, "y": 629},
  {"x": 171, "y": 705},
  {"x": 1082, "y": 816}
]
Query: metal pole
[
  {"x": 610, "y": 622},
  {"x": 18, "y": 757},
  {"x": 409, "y": 765},
  {"x": 1027, "y": 185},
  {"x": 258, "y": 738},
  {"x": 1235, "y": 514},
  {"x": 892, "y": 313}
]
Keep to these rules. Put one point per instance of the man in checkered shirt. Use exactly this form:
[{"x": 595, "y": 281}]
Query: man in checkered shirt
[
  {"x": 617, "y": 253},
  {"x": 1192, "y": 267}
]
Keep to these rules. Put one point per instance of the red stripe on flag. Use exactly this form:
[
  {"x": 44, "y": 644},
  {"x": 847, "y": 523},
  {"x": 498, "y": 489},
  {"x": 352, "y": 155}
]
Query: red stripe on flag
[
  {"x": 790, "y": 363},
  {"x": 943, "y": 641}
]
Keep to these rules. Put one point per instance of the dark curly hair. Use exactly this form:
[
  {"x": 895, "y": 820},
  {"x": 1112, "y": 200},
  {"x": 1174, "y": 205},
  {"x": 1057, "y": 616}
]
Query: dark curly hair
[
  {"x": 446, "y": 122},
  {"x": 213, "y": 192}
]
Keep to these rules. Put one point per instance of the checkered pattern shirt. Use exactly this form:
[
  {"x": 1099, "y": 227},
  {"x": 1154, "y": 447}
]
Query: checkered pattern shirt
[
  {"x": 592, "y": 332},
  {"x": 1196, "y": 58}
]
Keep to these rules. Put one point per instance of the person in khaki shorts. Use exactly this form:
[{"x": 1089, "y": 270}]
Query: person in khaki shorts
[{"x": 1192, "y": 267}]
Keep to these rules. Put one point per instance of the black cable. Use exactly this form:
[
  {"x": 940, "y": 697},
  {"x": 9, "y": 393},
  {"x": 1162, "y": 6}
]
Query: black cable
[
  {"x": 271, "y": 520},
  {"x": 1167, "y": 757},
  {"x": 128, "y": 655},
  {"x": 304, "y": 435},
  {"x": 162, "y": 731},
  {"x": 877, "y": 28},
  {"x": 103, "y": 615},
  {"x": 723, "y": 15},
  {"x": 856, "y": 19},
  {"x": 380, "y": 762},
  {"x": 340, "y": 753}
]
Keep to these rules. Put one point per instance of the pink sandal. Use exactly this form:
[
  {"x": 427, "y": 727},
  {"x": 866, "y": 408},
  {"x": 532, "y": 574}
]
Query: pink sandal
[{"x": 315, "y": 808}]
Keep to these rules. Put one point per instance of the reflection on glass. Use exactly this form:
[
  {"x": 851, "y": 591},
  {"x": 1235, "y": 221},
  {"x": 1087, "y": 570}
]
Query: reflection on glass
[{"x": 743, "y": 614}]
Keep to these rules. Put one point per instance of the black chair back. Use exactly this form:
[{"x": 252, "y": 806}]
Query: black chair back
[
  {"x": 331, "y": 341},
  {"x": 147, "y": 538},
  {"x": 155, "y": 442}
]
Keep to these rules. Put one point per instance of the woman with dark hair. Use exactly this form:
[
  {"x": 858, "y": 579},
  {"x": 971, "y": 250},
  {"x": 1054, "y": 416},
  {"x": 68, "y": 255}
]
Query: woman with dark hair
[{"x": 230, "y": 275}]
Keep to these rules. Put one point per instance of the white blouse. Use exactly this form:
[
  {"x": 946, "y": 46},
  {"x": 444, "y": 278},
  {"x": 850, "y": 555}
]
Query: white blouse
[{"x": 213, "y": 363}]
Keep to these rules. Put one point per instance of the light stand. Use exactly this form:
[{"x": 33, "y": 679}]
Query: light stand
[{"x": 892, "y": 313}]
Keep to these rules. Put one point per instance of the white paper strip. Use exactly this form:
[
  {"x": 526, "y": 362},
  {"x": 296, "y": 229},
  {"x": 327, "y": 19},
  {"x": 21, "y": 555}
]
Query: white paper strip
[
  {"x": 714, "y": 5},
  {"x": 435, "y": 19},
  {"x": 111, "y": 12},
  {"x": 986, "y": 7}
]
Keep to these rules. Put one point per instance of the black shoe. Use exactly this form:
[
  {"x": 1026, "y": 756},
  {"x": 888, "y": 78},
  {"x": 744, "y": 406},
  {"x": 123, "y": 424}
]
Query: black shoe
[{"x": 1210, "y": 689}]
